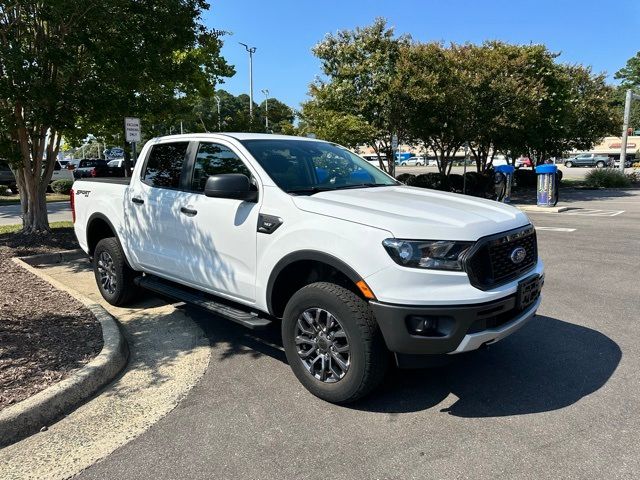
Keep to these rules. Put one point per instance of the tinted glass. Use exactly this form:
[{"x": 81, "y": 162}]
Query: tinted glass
[
  {"x": 305, "y": 167},
  {"x": 213, "y": 159},
  {"x": 164, "y": 166}
]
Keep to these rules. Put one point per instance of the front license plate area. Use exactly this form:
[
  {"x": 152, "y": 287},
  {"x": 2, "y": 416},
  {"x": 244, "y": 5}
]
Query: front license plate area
[{"x": 529, "y": 291}]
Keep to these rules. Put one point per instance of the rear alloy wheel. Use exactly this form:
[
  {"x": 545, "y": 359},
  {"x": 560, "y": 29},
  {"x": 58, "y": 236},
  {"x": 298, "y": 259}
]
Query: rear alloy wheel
[
  {"x": 113, "y": 275},
  {"x": 333, "y": 343}
]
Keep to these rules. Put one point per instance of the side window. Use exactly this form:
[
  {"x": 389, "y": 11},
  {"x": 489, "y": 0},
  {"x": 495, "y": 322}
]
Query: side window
[
  {"x": 213, "y": 159},
  {"x": 164, "y": 166}
]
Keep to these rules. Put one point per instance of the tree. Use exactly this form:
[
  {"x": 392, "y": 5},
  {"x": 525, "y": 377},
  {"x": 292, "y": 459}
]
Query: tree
[
  {"x": 433, "y": 98},
  {"x": 61, "y": 75},
  {"x": 358, "y": 88},
  {"x": 280, "y": 115},
  {"x": 630, "y": 78}
]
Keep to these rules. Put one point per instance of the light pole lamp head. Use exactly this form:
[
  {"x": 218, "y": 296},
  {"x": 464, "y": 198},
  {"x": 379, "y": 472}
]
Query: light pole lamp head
[
  {"x": 265, "y": 92},
  {"x": 249, "y": 49}
]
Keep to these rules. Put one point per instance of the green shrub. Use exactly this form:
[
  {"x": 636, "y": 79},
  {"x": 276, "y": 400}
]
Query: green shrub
[
  {"x": 405, "y": 178},
  {"x": 432, "y": 180},
  {"x": 456, "y": 182},
  {"x": 62, "y": 187},
  {"x": 607, "y": 178}
]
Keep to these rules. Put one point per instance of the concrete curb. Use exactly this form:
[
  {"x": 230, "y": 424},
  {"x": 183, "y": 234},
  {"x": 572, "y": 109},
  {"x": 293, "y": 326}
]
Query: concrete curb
[
  {"x": 535, "y": 208},
  {"x": 51, "y": 258},
  {"x": 30, "y": 415}
]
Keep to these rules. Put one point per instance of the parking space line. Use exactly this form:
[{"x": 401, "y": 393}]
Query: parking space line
[
  {"x": 556, "y": 229},
  {"x": 587, "y": 212}
]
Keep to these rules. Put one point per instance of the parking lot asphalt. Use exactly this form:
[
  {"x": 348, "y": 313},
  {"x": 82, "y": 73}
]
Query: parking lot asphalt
[
  {"x": 58, "y": 212},
  {"x": 558, "y": 399}
]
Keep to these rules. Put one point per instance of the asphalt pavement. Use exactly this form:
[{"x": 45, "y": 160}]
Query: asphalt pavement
[
  {"x": 558, "y": 399},
  {"x": 58, "y": 212}
]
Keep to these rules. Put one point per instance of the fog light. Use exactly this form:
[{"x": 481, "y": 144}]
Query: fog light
[{"x": 419, "y": 325}]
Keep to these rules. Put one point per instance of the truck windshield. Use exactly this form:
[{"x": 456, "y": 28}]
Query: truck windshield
[{"x": 305, "y": 167}]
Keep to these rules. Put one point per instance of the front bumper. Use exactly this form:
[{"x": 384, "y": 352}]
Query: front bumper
[{"x": 461, "y": 328}]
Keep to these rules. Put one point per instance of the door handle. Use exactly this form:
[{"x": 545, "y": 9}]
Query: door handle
[
  {"x": 188, "y": 211},
  {"x": 137, "y": 200}
]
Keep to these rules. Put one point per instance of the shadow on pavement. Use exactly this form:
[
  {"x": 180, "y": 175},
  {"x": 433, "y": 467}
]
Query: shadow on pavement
[{"x": 548, "y": 365}]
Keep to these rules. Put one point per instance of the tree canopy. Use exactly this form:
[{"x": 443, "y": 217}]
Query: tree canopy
[
  {"x": 69, "y": 65},
  {"x": 495, "y": 97}
]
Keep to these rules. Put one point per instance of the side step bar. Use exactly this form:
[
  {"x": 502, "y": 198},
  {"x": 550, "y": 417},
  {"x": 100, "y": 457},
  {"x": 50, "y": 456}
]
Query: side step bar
[{"x": 248, "y": 319}]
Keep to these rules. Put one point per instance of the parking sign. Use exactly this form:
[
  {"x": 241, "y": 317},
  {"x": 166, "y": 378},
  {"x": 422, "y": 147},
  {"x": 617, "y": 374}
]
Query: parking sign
[{"x": 132, "y": 129}]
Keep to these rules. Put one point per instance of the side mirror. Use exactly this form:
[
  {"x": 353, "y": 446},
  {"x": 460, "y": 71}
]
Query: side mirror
[{"x": 230, "y": 185}]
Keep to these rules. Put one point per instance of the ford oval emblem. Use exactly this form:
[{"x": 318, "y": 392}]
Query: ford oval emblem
[{"x": 518, "y": 255}]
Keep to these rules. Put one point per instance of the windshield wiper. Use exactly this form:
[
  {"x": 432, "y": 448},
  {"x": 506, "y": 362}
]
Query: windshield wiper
[
  {"x": 309, "y": 191},
  {"x": 362, "y": 185}
]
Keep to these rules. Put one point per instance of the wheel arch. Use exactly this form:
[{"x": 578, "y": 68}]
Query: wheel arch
[{"x": 301, "y": 268}]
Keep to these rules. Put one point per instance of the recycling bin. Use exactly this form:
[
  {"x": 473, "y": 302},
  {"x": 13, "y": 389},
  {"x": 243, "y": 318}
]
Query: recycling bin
[
  {"x": 547, "y": 185},
  {"x": 506, "y": 170}
]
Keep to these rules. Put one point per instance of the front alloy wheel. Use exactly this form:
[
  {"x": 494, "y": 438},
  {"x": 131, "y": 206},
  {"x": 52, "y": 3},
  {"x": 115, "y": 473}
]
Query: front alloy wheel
[
  {"x": 333, "y": 343},
  {"x": 323, "y": 345}
]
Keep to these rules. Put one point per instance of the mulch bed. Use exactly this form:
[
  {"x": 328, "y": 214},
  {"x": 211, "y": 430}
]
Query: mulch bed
[{"x": 44, "y": 333}]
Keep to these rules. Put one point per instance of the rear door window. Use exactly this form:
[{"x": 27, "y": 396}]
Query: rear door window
[{"x": 164, "y": 165}]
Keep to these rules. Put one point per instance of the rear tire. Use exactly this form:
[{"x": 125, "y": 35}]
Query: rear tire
[
  {"x": 113, "y": 275},
  {"x": 600, "y": 164},
  {"x": 350, "y": 339}
]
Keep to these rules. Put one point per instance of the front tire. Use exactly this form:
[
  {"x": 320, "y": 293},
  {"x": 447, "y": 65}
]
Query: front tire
[
  {"x": 333, "y": 343},
  {"x": 568, "y": 164},
  {"x": 113, "y": 276},
  {"x": 600, "y": 165}
]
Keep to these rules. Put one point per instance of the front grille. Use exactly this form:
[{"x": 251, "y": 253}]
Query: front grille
[{"x": 489, "y": 263}]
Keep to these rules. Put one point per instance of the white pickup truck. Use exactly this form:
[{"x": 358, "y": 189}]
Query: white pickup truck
[{"x": 357, "y": 268}]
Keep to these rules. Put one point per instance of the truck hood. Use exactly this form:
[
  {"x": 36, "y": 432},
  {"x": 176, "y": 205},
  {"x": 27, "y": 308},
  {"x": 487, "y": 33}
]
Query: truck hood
[{"x": 416, "y": 213}]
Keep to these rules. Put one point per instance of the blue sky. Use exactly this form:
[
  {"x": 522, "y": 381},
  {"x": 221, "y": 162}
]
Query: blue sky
[{"x": 284, "y": 31}]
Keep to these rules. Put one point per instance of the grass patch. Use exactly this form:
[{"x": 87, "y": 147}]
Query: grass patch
[
  {"x": 572, "y": 182},
  {"x": 16, "y": 228},
  {"x": 15, "y": 199}
]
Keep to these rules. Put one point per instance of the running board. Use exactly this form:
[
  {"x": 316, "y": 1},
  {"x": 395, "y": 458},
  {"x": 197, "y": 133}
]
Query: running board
[{"x": 248, "y": 319}]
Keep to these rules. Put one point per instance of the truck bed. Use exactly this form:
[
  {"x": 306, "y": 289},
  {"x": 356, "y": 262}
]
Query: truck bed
[{"x": 117, "y": 180}]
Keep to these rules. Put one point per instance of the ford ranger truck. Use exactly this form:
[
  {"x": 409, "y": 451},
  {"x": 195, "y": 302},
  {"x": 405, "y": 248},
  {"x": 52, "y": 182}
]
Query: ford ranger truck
[{"x": 356, "y": 268}]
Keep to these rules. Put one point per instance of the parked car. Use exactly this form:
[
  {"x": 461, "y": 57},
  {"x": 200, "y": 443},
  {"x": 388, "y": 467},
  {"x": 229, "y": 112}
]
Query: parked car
[
  {"x": 60, "y": 172},
  {"x": 523, "y": 162},
  {"x": 257, "y": 228},
  {"x": 7, "y": 178},
  {"x": 118, "y": 162},
  {"x": 96, "y": 168},
  {"x": 587, "y": 160},
  {"x": 413, "y": 162}
]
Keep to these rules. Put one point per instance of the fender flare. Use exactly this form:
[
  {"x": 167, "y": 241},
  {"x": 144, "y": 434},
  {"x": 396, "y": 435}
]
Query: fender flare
[
  {"x": 313, "y": 255},
  {"x": 104, "y": 218}
]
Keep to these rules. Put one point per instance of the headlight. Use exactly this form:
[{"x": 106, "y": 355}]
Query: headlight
[{"x": 433, "y": 254}]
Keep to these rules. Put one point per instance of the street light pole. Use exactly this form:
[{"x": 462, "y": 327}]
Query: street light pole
[
  {"x": 219, "y": 122},
  {"x": 625, "y": 126},
  {"x": 266, "y": 109},
  {"x": 251, "y": 51}
]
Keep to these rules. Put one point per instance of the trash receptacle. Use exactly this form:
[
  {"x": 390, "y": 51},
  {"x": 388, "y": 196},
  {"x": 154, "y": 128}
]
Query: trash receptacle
[
  {"x": 547, "y": 185},
  {"x": 507, "y": 171}
]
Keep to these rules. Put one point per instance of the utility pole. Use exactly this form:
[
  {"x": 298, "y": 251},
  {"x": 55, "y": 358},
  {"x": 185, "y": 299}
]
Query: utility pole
[
  {"x": 251, "y": 51},
  {"x": 266, "y": 109},
  {"x": 219, "y": 121},
  {"x": 625, "y": 126}
]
